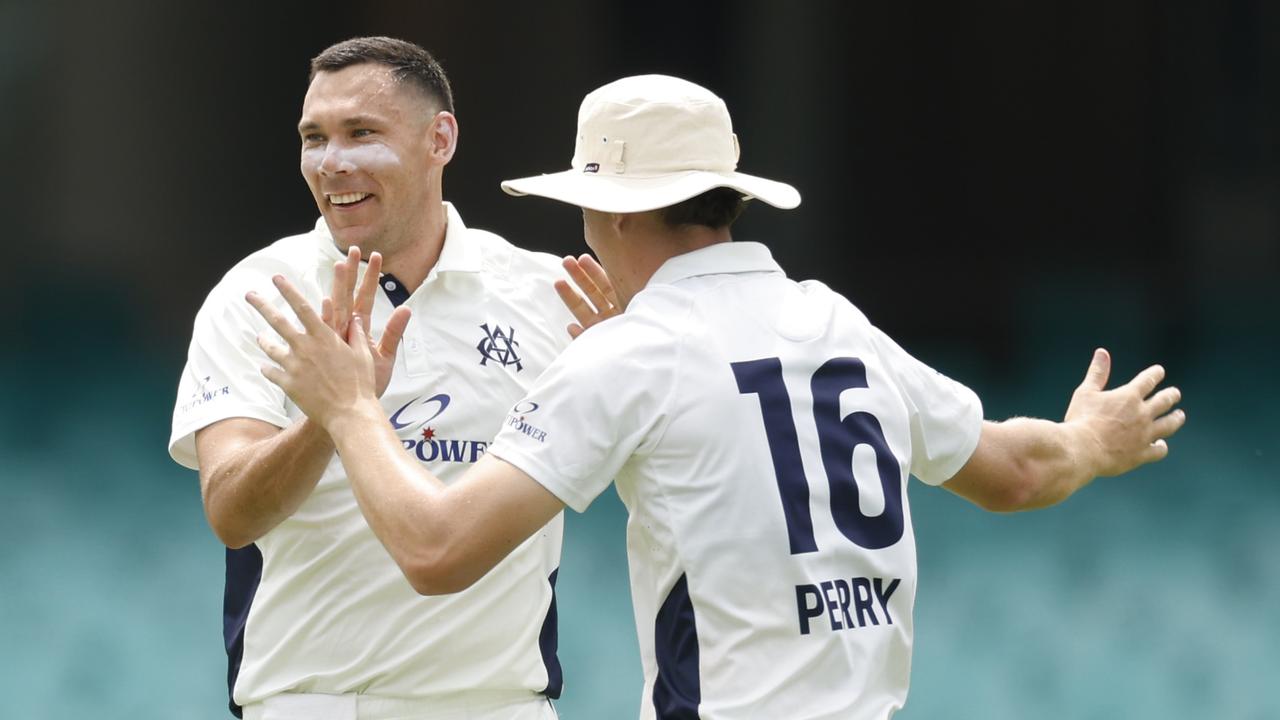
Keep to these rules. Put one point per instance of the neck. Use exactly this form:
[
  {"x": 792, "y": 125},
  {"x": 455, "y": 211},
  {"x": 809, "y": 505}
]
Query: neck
[
  {"x": 646, "y": 243},
  {"x": 412, "y": 262}
]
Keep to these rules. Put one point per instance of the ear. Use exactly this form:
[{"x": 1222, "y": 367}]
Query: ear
[{"x": 443, "y": 136}]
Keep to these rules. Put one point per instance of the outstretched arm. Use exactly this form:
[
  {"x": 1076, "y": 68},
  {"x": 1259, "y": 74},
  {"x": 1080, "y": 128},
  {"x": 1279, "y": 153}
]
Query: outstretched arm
[
  {"x": 444, "y": 538},
  {"x": 1025, "y": 463}
]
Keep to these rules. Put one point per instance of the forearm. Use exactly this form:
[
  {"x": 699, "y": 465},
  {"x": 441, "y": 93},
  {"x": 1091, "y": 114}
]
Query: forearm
[
  {"x": 1052, "y": 460},
  {"x": 251, "y": 489},
  {"x": 404, "y": 504},
  {"x": 1025, "y": 464}
]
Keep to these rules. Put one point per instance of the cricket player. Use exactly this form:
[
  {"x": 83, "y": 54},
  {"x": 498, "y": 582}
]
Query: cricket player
[
  {"x": 760, "y": 432},
  {"x": 318, "y": 620}
]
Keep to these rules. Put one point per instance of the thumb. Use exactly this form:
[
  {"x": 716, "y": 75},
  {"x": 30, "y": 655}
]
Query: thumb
[
  {"x": 1099, "y": 371},
  {"x": 394, "y": 331}
]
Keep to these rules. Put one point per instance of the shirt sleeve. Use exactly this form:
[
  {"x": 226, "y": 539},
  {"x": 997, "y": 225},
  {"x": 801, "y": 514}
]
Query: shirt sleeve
[
  {"x": 223, "y": 378},
  {"x": 594, "y": 407},
  {"x": 946, "y": 416}
]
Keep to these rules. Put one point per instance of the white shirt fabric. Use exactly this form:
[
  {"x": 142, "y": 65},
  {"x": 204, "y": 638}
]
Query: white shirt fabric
[
  {"x": 722, "y": 376},
  {"x": 332, "y": 612}
]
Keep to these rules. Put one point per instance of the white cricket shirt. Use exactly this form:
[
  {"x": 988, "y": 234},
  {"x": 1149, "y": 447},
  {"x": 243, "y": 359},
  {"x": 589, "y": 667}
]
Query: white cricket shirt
[
  {"x": 761, "y": 433},
  {"x": 331, "y": 612}
]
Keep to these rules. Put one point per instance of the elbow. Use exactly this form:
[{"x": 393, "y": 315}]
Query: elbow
[
  {"x": 234, "y": 537},
  {"x": 229, "y": 524},
  {"x": 229, "y": 532},
  {"x": 431, "y": 586},
  {"x": 436, "y": 572}
]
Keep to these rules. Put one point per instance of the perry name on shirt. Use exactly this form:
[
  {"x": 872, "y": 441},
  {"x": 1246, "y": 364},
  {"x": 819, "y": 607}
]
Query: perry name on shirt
[{"x": 848, "y": 604}]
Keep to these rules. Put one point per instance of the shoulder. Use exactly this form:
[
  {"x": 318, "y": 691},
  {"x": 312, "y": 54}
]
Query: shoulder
[
  {"x": 502, "y": 259},
  {"x": 296, "y": 257},
  {"x": 819, "y": 292},
  {"x": 647, "y": 337}
]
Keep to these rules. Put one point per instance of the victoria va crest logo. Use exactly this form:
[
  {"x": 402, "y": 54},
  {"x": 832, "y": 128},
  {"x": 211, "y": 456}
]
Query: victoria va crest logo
[{"x": 499, "y": 346}]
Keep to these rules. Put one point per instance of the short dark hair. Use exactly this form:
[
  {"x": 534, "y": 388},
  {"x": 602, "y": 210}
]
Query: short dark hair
[
  {"x": 716, "y": 208},
  {"x": 408, "y": 62}
]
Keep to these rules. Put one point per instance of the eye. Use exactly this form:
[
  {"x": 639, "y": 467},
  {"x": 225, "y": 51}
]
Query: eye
[
  {"x": 361, "y": 132},
  {"x": 312, "y": 138}
]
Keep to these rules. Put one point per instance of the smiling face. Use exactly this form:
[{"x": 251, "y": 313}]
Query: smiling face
[{"x": 371, "y": 156}]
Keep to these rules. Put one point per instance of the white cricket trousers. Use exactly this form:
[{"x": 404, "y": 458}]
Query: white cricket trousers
[{"x": 461, "y": 706}]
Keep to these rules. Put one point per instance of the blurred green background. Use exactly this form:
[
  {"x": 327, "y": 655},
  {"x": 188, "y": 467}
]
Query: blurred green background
[{"x": 1001, "y": 187}]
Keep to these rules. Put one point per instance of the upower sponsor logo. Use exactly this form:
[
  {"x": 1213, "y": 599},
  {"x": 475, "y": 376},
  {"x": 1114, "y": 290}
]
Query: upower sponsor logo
[
  {"x": 519, "y": 419},
  {"x": 423, "y": 433},
  {"x": 207, "y": 391}
]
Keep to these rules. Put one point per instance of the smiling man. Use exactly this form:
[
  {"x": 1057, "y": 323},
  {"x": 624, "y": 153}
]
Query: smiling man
[{"x": 318, "y": 620}]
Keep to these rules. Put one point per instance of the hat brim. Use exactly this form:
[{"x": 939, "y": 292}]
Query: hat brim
[{"x": 630, "y": 194}]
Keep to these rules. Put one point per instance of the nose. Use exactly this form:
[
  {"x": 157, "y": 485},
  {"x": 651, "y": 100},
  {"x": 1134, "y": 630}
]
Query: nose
[{"x": 336, "y": 161}]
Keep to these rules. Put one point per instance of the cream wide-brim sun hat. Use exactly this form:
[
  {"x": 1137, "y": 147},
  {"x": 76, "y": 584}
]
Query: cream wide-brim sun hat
[{"x": 649, "y": 142}]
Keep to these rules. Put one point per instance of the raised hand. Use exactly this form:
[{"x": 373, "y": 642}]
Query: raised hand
[
  {"x": 597, "y": 301},
  {"x": 340, "y": 308},
  {"x": 1128, "y": 424},
  {"x": 321, "y": 372}
]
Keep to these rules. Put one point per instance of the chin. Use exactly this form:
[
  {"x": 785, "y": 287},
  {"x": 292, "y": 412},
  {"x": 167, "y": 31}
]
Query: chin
[{"x": 359, "y": 236}]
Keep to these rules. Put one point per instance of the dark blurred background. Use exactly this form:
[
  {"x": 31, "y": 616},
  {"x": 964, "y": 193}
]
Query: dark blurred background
[{"x": 1001, "y": 186}]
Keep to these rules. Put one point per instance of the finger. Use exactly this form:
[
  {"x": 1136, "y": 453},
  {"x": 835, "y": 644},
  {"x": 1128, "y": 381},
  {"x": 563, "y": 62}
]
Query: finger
[
  {"x": 394, "y": 331},
  {"x": 368, "y": 290},
  {"x": 597, "y": 274},
  {"x": 1163, "y": 401},
  {"x": 276, "y": 376},
  {"x": 580, "y": 279},
  {"x": 594, "y": 294},
  {"x": 1147, "y": 380},
  {"x": 310, "y": 320},
  {"x": 357, "y": 338},
  {"x": 343, "y": 277},
  {"x": 1166, "y": 426},
  {"x": 1095, "y": 378},
  {"x": 575, "y": 330},
  {"x": 1157, "y": 450},
  {"x": 326, "y": 312},
  {"x": 274, "y": 318},
  {"x": 582, "y": 312},
  {"x": 274, "y": 350}
]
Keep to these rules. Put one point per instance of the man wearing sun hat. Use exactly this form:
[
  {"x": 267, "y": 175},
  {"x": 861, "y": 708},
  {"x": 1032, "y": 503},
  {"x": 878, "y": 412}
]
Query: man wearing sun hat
[{"x": 760, "y": 432}]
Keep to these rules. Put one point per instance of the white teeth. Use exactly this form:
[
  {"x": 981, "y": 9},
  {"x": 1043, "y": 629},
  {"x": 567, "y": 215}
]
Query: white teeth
[{"x": 347, "y": 198}]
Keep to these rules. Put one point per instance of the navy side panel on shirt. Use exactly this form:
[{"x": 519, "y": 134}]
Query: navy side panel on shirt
[
  {"x": 677, "y": 689},
  {"x": 244, "y": 570},
  {"x": 549, "y": 642}
]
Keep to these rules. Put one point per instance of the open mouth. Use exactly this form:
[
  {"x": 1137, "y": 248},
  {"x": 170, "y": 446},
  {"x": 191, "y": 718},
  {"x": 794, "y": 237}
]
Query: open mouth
[{"x": 347, "y": 200}]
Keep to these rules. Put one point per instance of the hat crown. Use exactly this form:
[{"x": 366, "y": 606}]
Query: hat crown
[{"x": 653, "y": 125}]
